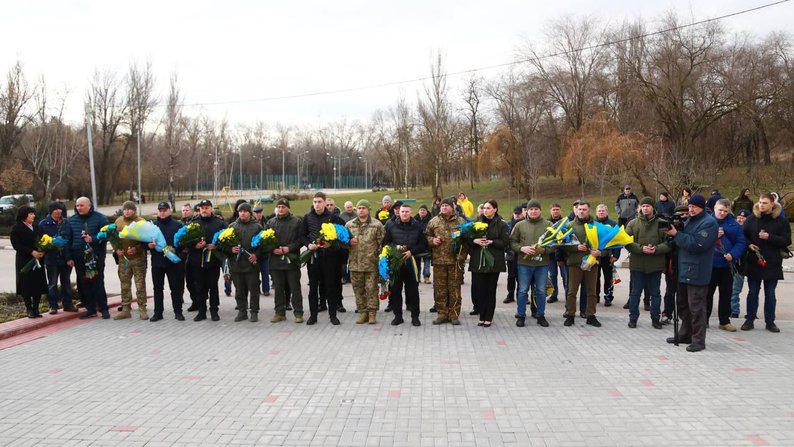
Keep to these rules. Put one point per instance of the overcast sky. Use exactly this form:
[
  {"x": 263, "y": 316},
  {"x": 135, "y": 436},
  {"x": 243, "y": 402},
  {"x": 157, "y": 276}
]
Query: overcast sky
[{"x": 247, "y": 50}]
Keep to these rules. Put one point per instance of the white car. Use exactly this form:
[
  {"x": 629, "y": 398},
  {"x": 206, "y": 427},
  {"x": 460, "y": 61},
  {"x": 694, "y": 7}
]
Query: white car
[{"x": 7, "y": 202}]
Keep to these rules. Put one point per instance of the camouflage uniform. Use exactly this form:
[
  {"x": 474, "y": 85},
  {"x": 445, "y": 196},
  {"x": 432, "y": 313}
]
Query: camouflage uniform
[
  {"x": 134, "y": 269},
  {"x": 447, "y": 270},
  {"x": 363, "y": 262}
]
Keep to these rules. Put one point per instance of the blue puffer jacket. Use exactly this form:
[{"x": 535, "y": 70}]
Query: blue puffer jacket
[
  {"x": 695, "y": 246},
  {"x": 50, "y": 227},
  {"x": 732, "y": 241},
  {"x": 73, "y": 229}
]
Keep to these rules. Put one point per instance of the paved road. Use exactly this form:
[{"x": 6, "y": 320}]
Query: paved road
[{"x": 169, "y": 383}]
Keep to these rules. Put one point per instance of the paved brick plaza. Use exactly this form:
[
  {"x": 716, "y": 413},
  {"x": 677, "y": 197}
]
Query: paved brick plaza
[{"x": 133, "y": 382}]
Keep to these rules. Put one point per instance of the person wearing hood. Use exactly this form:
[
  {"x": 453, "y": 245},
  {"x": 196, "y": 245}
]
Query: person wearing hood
[
  {"x": 532, "y": 262},
  {"x": 57, "y": 270},
  {"x": 80, "y": 233},
  {"x": 729, "y": 249},
  {"x": 768, "y": 233},
  {"x": 162, "y": 268},
  {"x": 206, "y": 267},
  {"x": 665, "y": 207},
  {"x": 742, "y": 202},
  {"x": 244, "y": 264},
  {"x": 577, "y": 276},
  {"x": 647, "y": 261},
  {"x": 496, "y": 241},
  {"x": 132, "y": 264},
  {"x": 465, "y": 205}
]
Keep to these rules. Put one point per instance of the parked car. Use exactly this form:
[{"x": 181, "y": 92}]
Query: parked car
[{"x": 10, "y": 202}]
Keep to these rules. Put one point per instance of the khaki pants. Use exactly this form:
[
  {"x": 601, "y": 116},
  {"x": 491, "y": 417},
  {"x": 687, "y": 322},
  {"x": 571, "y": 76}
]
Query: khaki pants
[
  {"x": 135, "y": 269},
  {"x": 365, "y": 287},
  {"x": 575, "y": 277},
  {"x": 447, "y": 279}
]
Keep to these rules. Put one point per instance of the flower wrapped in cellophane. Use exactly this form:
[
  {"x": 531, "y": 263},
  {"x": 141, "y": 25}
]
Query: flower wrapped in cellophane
[
  {"x": 227, "y": 239},
  {"x": 145, "y": 232},
  {"x": 383, "y": 216},
  {"x": 602, "y": 237},
  {"x": 268, "y": 241},
  {"x": 390, "y": 261},
  {"x": 189, "y": 235},
  {"x": 330, "y": 236},
  {"x": 556, "y": 235},
  {"x": 476, "y": 230},
  {"x": 110, "y": 233},
  {"x": 44, "y": 244}
]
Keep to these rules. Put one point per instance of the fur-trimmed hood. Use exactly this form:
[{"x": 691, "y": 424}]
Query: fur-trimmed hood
[{"x": 776, "y": 210}]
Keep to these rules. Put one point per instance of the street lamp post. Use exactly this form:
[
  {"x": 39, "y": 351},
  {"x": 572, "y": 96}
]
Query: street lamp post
[{"x": 366, "y": 172}]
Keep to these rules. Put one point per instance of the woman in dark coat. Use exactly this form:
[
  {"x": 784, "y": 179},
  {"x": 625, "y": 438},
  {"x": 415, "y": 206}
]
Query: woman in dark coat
[
  {"x": 496, "y": 241},
  {"x": 30, "y": 285}
]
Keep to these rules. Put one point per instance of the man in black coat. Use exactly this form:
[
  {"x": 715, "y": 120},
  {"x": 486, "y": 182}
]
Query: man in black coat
[
  {"x": 406, "y": 233},
  {"x": 206, "y": 266},
  {"x": 162, "y": 267}
]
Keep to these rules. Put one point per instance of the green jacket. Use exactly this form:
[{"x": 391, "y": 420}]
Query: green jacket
[
  {"x": 574, "y": 255},
  {"x": 246, "y": 232},
  {"x": 646, "y": 232},
  {"x": 287, "y": 230},
  {"x": 497, "y": 232},
  {"x": 528, "y": 232}
]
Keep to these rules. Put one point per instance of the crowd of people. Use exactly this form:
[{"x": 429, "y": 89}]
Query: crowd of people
[{"x": 701, "y": 247}]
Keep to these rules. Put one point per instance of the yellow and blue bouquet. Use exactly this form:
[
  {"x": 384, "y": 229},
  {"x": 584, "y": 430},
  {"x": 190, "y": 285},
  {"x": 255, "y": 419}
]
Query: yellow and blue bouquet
[
  {"x": 227, "y": 239},
  {"x": 476, "y": 230},
  {"x": 603, "y": 237},
  {"x": 110, "y": 233},
  {"x": 44, "y": 244},
  {"x": 332, "y": 235},
  {"x": 144, "y": 231},
  {"x": 390, "y": 261},
  {"x": 188, "y": 235}
]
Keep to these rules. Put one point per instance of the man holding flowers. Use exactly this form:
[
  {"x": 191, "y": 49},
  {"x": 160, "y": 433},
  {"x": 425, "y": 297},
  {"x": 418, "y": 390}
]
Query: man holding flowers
[
  {"x": 447, "y": 262},
  {"x": 132, "y": 264},
  {"x": 283, "y": 261},
  {"x": 533, "y": 261},
  {"x": 162, "y": 268},
  {"x": 406, "y": 234},
  {"x": 576, "y": 275},
  {"x": 206, "y": 267},
  {"x": 366, "y": 237},
  {"x": 243, "y": 263}
]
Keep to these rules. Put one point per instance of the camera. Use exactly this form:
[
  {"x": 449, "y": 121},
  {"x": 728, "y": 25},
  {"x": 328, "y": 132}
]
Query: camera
[{"x": 678, "y": 221}]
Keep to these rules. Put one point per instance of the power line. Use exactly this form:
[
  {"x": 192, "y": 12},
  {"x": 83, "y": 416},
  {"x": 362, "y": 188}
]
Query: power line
[{"x": 487, "y": 67}]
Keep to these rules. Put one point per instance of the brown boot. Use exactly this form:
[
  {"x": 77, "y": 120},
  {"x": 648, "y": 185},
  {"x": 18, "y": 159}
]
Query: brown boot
[
  {"x": 124, "y": 314},
  {"x": 363, "y": 317},
  {"x": 142, "y": 313},
  {"x": 372, "y": 319}
]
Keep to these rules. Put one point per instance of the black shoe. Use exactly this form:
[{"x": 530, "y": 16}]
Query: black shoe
[
  {"x": 433, "y": 309},
  {"x": 695, "y": 348},
  {"x": 569, "y": 322},
  {"x": 647, "y": 307},
  {"x": 201, "y": 316},
  {"x": 388, "y": 308},
  {"x": 474, "y": 312},
  {"x": 214, "y": 316},
  {"x": 334, "y": 320},
  {"x": 666, "y": 321},
  {"x": 520, "y": 321},
  {"x": 633, "y": 324},
  {"x": 312, "y": 320},
  {"x": 593, "y": 321},
  {"x": 54, "y": 311},
  {"x": 192, "y": 308},
  {"x": 509, "y": 299},
  {"x": 397, "y": 321},
  {"x": 656, "y": 323},
  {"x": 288, "y": 308},
  {"x": 607, "y": 303},
  {"x": 542, "y": 322},
  {"x": 179, "y": 317},
  {"x": 266, "y": 293},
  {"x": 341, "y": 309},
  {"x": 106, "y": 315},
  {"x": 734, "y": 315},
  {"x": 84, "y": 316},
  {"x": 415, "y": 321},
  {"x": 323, "y": 308},
  {"x": 582, "y": 314},
  {"x": 552, "y": 300},
  {"x": 533, "y": 313},
  {"x": 748, "y": 326},
  {"x": 682, "y": 341},
  {"x": 70, "y": 309},
  {"x": 228, "y": 294},
  {"x": 626, "y": 306},
  {"x": 772, "y": 327},
  {"x": 156, "y": 317}
]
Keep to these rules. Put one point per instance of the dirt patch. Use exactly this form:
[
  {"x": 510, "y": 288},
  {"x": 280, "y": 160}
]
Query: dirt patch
[{"x": 12, "y": 307}]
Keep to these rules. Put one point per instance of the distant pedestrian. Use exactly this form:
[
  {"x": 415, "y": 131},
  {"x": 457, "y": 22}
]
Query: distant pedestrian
[{"x": 626, "y": 205}]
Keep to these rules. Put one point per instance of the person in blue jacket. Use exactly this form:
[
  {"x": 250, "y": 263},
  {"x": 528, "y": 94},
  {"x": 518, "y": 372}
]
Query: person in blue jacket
[
  {"x": 695, "y": 247},
  {"x": 80, "y": 233},
  {"x": 57, "y": 270},
  {"x": 728, "y": 250}
]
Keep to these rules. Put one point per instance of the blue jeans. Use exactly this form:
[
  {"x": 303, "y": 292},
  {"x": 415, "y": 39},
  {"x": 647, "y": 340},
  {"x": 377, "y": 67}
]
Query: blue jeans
[
  {"x": 738, "y": 283},
  {"x": 54, "y": 274},
  {"x": 425, "y": 261},
  {"x": 526, "y": 276},
  {"x": 264, "y": 270},
  {"x": 553, "y": 276},
  {"x": 650, "y": 283},
  {"x": 770, "y": 302}
]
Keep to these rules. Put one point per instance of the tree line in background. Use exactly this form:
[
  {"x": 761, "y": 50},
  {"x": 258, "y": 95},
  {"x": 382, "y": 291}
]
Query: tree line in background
[{"x": 591, "y": 104}]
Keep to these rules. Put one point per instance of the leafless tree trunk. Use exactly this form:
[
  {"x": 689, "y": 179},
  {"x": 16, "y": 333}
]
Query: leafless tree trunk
[
  {"x": 173, "y": 133},
  {"x": 14, "y": 96}
]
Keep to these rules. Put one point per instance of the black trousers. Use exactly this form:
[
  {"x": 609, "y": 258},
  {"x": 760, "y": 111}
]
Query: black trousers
[
  {"x": 92, "y": 292},
  {"x": 692, "y": 311},
  {"x": 723, "y": 279},
  {"x": 207, "y": 287},
  {"x": 176, "y": 282},
  {"x": 407, "y": 281},
  {"x": 475, "y": 293},
  {"x": 326, "y": 274},
  {"x": 671, "y": 286},
  {"x": 486, "y": 285},
  {"x": 512, "y": 273},
  {"x": 190, "y": 283}
]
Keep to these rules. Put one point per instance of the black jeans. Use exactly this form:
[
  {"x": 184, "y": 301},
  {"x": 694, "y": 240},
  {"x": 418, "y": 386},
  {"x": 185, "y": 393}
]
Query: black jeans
[
  {"x": 408, "y": 281},
  {"x": 92, "y": 292},
  {"x": 190, "y": 283},
  {"x": 512, "y": 274},
  {"x": 671, "y": 286},
  {"x": 486, "y": 285},
  {"x": 176, "y": 283},
  {"x": 207, "y": 287},
  {"x": 325, "y": 273},
  {"x": 723, "y": 279}
]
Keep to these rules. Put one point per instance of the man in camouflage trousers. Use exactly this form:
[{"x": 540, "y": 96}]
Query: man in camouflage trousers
[
  {"x": 447, "y": 271},
  {"x": 366, "y": 238},
  {"x": 132, "y": 265}
]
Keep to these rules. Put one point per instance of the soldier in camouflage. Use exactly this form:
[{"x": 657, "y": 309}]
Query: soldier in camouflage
[
  {"x": 132, "y": 265},
  {"x": 447, "y": 268},
  {"x": 366, "y": 238}
]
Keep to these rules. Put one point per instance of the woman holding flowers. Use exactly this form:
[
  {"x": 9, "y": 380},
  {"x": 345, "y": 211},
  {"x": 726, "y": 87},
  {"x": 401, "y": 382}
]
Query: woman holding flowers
[
  {"x": 24, "y": 238},
  {"x": 486, "y": 246}
]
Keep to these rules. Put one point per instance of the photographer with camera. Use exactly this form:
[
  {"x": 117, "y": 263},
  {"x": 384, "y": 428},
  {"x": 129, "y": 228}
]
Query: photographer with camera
[{"x": 677, "y": 220}]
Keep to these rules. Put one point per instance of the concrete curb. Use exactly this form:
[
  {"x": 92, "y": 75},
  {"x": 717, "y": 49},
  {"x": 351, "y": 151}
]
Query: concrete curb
[{"x": 25, "y": 325}]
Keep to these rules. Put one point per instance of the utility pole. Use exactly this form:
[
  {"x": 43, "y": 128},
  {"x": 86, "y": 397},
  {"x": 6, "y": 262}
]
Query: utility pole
[
  {"x": 139, "y": 165},
  {"x": 89, "y": 128}
]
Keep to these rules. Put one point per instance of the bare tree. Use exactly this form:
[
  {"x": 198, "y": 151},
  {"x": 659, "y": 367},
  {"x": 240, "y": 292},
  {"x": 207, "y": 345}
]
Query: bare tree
[
  {"x": 475, "y": 124},
  {"x": 173, "y": 134},
  {"x": 14, "y": 97},
  {"x": 435, "y": 123}
]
